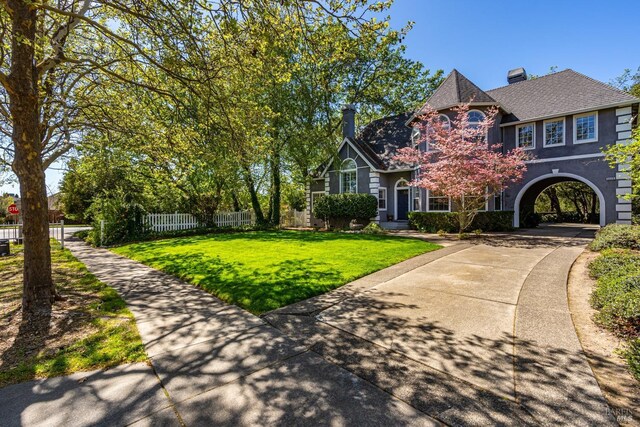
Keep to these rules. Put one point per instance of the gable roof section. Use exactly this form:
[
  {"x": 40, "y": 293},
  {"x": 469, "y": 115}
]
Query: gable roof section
[
  {"x": 382, "y": 138},
  {"x": 457, "y": 89},
  {"x": 378, "y": 142},
  {"x": 556, "y": 94}
]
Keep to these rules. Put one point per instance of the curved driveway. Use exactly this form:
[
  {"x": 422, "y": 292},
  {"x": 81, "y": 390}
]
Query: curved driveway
[{"x": 491, "y": 316}]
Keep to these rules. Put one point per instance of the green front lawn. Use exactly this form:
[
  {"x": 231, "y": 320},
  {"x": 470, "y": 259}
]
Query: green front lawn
[{"x": 261, "y": 271}]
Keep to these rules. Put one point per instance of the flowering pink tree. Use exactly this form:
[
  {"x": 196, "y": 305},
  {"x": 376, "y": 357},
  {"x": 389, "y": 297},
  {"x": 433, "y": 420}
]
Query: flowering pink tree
[{"x": 459, "y": 163}]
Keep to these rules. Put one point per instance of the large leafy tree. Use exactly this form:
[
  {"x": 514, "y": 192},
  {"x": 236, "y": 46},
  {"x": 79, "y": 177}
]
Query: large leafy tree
[{"x": 57, "y": 58}]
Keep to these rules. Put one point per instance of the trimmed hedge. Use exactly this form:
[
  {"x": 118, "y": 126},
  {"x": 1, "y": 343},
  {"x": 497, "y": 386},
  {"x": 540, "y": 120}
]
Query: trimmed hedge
[
  {"x": 338, "y": 210},
  {"x": 617, "y": 236},
  {"x": 570, "y": 216},
  {"x": 433, "y": 222}
]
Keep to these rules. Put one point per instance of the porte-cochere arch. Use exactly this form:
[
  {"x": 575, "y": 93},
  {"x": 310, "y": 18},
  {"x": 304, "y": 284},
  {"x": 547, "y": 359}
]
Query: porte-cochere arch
[{"x": 526, "y": 197}]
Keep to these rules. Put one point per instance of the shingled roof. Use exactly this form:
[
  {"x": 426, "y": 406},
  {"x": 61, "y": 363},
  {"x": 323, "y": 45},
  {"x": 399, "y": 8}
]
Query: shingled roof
[
  {"x": 383, "y": 138},
  {"x": 457, "y": 89},
  {"x": 556, "y": 94}
]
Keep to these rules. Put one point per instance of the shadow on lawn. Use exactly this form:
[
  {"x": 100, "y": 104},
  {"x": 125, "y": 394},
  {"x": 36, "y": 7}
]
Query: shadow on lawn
[{"x": 257, "y": 291}]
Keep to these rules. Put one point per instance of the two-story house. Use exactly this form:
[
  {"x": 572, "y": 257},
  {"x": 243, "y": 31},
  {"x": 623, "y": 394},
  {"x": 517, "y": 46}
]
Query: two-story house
[{"x": 564, "y": 119}]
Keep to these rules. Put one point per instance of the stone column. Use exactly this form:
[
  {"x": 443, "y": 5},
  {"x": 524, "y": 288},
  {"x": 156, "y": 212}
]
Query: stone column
[
  {"x": 623, "y": 129},
  {"x": 374, "y": 185},
  {"x": 307, "y": 211}
]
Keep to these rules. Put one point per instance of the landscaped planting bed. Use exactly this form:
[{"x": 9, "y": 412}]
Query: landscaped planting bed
[
  {"x": 90, "y": 328},
  {"x": 264, "y": 270},
  {"x": 617, "y": 292}
]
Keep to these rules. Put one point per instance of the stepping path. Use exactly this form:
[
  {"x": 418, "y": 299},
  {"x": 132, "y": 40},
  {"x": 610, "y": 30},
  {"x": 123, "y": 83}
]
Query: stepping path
[{"x": 210, "y": 364}]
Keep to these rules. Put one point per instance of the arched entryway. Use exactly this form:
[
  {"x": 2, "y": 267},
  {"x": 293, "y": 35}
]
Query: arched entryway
[{"x": 526, "y": 198}]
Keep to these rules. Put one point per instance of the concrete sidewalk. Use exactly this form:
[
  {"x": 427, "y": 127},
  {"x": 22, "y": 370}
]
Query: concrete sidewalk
[{"x": 211, "y": 364}]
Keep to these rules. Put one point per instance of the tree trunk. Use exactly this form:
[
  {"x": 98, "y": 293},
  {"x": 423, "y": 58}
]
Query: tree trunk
[
  {"x": 39, "y": 290},
  {"x": 553, "y": 199},
  {"x": 255, "y": 202},
  {"x": 594, "y": 206},
  {"x": 235, "y": 201},
  {"x": 276, "y": 190}
]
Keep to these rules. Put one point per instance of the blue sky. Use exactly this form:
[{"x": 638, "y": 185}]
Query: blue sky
[{"x": 483, "y": 39}]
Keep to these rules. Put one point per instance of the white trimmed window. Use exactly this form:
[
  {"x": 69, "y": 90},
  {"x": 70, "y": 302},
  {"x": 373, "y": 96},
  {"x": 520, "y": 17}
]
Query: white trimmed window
[
  {"x": 585, "y": 128},
  {"x": 475, "y": 117},
  {"x": 349, "y": 176},
  {"x": 498, "y": 200},
  {"x": 554, "y": 132},
  {"x": 416, "y": 199},
  {"x": 526, "y": 136},
  {"x": 481, "y": 201},
  {"x": 382, "y": 198},
  {"x": 437, "y": 203},
  {"x": 446, "y": 123},
  {"x": 415, "y": 136}
]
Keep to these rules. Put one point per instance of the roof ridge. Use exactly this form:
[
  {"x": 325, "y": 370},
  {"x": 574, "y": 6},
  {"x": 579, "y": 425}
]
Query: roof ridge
[
  {"x": 608, "y": 86},
  {"x": 456, "y": 81},
  {"x": 532, "y": 80},
  {"x": 385, "y": 117},
  {"x": 436, "y": 90},
  {"x": 472, "y": 84}
]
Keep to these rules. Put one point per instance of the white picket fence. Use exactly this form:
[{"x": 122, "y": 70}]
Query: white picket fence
[
  {"x": 159, "y": 222},
  {"x": 292, "y": 218},
  {"x": 13, "y": 232}
]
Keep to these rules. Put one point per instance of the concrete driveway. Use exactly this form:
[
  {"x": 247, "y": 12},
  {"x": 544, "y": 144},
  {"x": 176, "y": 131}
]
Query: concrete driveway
[{"x": 489, "y": 317}]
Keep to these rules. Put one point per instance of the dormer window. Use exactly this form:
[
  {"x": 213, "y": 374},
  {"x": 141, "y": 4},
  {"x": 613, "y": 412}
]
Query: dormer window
[
  {"x": 349, "y": 176},
  {"x": 585, "y": 128}
]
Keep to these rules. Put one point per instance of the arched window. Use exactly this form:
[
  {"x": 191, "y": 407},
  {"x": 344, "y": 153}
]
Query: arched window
[
  {"x": 349, "y": 176},
  {"x": 446, "y": 123},
  {"x": 415, "y": 136},
  {"x": 475, "y": 117}
]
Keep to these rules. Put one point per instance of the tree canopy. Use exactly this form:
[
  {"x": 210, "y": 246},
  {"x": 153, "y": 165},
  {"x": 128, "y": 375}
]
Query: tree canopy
[{"x": 216, "y": 102}]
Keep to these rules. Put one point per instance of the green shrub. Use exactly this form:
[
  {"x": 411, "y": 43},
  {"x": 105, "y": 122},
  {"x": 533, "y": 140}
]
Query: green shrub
[
  {"x": 563, "y": 217},
  {"x": 436, "y": 222},
  {"x": 530, "y": 219},
  {"x": 123, "y": 219},
  {"x": 617, "y": 236},
  {"x": 617, "y": 291},
  {"x": 82, "y": 234},
  {"x": 373, "y": 228},
  {"x": 632, "y": 354},
  {"x": 338, "y": 210}
]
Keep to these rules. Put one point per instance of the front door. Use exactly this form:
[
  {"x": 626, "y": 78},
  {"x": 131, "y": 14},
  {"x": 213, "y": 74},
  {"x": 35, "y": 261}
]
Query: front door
[{"x": 402, "y": 197}]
